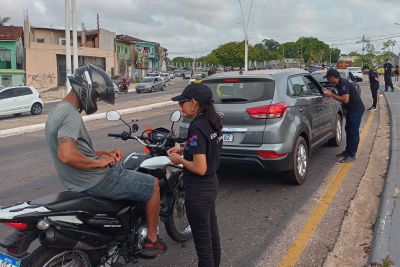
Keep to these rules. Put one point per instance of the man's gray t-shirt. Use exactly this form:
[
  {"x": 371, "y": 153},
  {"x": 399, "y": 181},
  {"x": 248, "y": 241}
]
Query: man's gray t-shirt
[{"x": 65, "y": 121}]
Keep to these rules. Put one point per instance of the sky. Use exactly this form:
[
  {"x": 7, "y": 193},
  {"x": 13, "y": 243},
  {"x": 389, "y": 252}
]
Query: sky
[{"x": 196, "y": 27}]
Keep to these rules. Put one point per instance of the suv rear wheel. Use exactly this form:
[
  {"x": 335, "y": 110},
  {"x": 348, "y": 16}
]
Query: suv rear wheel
[
  {"x": 299, "y": 172},
  {"x": 337, "y": 140}
]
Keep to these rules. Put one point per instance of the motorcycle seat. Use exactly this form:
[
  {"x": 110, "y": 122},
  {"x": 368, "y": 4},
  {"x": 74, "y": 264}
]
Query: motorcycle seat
[{"x": 69, "y": 200}]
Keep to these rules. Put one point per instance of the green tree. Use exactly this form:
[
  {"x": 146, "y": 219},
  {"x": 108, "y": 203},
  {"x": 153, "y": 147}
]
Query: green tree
[
  {"x": 389, "y": 45},
  {"x": 4, "y": 20},
  {"x": 271, "y": 45}
]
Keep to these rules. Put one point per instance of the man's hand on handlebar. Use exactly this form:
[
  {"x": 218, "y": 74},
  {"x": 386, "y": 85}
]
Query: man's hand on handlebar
[{"x": 105, "y": 161}]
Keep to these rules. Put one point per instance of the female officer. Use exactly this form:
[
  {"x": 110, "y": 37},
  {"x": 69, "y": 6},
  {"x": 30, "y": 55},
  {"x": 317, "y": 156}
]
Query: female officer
[{"x": 200, "y": 161}]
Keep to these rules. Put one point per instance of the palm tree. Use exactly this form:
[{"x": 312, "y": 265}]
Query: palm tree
[{"x": 4, "y": 20}]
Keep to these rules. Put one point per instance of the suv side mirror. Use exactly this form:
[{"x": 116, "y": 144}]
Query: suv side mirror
[{"x": 351, "y": 76}]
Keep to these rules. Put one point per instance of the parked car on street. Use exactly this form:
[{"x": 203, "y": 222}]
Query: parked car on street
[
  {"x": 187, "y": 75},
  {"x": 20, "y": 99},
  {"x": 197, "y": 77},
  {"x": 357, "y": 73},
  {"x": 171, "y": 75},
  {"x": 151, "y": 84},
  {"x": 153, "y": 74},
  {"x": 165, "y": 76},
  {"x": 273, "y": 119}
]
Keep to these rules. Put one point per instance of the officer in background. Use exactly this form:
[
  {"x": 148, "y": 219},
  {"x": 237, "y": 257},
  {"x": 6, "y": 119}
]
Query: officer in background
[
  {"x": 348, "y": 95},
  {"x": 373, "y": 83},
  {"x": 388, "y": 67}
]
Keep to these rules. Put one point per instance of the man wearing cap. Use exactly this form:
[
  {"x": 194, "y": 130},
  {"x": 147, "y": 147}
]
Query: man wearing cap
[
  {"x": 351, "y": 100},
  {"x": 374, "y": 85}
]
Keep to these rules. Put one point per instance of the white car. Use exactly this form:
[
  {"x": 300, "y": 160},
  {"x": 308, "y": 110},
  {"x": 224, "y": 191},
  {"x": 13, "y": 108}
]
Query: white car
[
  {"x": 153, "y": 74},
  {"x": 356, "y": 71},
  {"x": 195, "y": 77},
  {"x": 20, "y": 99},
  {"x": 165, "y": 76}
]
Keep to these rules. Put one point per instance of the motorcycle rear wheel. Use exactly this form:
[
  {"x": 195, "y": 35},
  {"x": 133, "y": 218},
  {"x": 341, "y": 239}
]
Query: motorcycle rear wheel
[{"x": 50, "y": 257}]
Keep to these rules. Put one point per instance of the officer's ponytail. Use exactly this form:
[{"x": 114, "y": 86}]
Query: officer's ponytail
[{"x": 209, "y": 112}]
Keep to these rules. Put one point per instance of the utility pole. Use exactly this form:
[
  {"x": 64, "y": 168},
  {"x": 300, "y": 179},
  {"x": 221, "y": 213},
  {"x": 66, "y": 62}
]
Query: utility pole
[
  {"x": 74, "y": 35},
  {"x": 67, "y": 45},
  {"x": 98, "y": 22},
  {"x": 246, "y": 37}
]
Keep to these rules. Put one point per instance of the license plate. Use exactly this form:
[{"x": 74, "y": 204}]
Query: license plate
[
  {"x": 8, "y": 261},
  {"x": 228, "y": 137}
]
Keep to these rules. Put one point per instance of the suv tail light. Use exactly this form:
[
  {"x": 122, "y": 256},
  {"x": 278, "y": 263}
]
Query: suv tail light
[
  {"x": 17, "y": 225},
  {"x": 268, "y": 112}
]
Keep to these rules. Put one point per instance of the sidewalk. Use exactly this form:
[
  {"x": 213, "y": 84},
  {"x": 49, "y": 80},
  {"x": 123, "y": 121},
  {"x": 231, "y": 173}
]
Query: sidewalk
[
  {"x": 58, "y": 93},
  {"x": 386, "y": 243}
]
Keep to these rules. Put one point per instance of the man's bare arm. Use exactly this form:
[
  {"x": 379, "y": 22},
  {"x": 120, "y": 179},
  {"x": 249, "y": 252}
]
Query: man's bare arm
[{"x": 69, "y": 154}]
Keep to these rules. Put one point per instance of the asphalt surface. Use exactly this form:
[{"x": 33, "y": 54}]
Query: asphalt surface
[{"x": 255, "y": 210}]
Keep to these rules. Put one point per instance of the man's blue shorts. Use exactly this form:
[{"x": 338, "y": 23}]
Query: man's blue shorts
[{"x": 122, "y": 184}]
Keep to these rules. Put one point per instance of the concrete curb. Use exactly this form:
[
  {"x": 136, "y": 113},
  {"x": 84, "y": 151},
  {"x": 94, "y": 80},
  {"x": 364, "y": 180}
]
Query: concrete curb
[
  {"x": 40, "y": 126},
  {"x": 386, "y": 240}
]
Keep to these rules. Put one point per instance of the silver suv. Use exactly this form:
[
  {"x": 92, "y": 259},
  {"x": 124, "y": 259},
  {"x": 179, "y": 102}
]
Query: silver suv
[{"x": 273, "y": 119}]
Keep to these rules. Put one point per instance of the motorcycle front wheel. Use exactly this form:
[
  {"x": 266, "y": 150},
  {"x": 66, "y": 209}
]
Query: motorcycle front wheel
[
  {"x": 177, "y": 226},
  {"x": 46, "y": 257}
]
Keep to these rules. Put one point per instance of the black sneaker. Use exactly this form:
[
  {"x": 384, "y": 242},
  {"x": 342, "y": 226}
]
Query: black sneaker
[
  {"x": 348, "y": 159},
  {"x": 151, "y": 249},
  {"x": 341, "y": 154},
  {"x": 372, "y": 108}
]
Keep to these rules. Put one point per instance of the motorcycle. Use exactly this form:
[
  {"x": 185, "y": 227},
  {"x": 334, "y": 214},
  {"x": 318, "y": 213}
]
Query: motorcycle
[
  {"x": 123, "y": 86},
  {"x": 75, "y": 229}
]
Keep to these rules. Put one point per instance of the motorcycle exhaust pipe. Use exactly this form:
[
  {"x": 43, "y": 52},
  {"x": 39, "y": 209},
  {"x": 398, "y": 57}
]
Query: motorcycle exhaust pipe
[{"x": 52, "y": 238}]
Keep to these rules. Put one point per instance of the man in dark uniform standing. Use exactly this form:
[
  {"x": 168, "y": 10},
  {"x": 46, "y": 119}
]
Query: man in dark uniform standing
[
  {"x": 374, "y": 85},
  {"x": 388, "y": 75},
  {"x": 348, "y": 95}
]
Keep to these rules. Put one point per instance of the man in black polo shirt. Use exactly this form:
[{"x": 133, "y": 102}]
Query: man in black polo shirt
[
  {"x": 374, "y": 85},
  {"x": 348, "y": 95},
  {"x": 388, "y": 75}
]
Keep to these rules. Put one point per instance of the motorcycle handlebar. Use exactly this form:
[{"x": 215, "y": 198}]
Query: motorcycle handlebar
[
  {"x": 115, "y": 135},
  {"x": 126, "y": 136}
]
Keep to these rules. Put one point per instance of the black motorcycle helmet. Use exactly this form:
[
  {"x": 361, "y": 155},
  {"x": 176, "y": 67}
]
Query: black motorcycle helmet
[{"x": 91, "y": 83}]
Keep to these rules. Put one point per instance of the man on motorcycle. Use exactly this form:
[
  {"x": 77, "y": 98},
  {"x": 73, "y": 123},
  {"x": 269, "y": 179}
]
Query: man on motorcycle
[{"x": 98, "y": 173}]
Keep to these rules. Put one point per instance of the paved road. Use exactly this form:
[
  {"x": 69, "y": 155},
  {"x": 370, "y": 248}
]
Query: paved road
[{"x": 256, "y": 211}]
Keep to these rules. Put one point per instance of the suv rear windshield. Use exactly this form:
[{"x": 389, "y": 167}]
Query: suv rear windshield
[{"x": 241, "y": 90}]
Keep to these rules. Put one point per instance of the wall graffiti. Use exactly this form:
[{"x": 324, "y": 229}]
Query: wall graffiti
[{"x": 43, "y": 80}]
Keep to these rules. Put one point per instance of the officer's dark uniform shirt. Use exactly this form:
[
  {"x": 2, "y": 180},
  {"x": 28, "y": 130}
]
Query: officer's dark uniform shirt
[
  {"x": 203, "y": 139},
  {"x": 372, "y": 74},
  {"x": 346, "y": 88},
  {"x": 388, "y": 69}
]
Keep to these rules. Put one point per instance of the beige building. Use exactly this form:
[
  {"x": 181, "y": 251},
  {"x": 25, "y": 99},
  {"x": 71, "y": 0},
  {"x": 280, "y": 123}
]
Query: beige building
[{"x": 45, "y": 54}]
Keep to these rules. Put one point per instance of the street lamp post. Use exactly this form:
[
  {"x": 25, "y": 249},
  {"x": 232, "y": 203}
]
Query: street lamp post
[{"x": 245, "y": 33}]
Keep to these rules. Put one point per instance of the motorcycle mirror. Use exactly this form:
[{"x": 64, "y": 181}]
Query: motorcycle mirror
[
  {"x": 113, "y": 115},
  {"x": 175, "y": 116}
]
